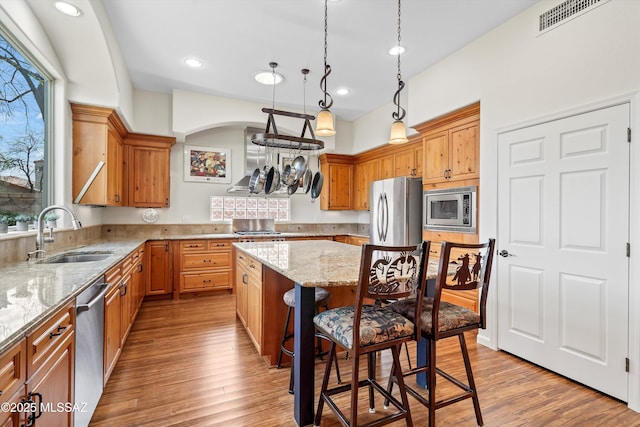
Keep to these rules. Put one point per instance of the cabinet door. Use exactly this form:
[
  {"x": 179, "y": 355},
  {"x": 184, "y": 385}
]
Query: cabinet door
[
  {"x": 14, "y": 419},
  {"x": 387, "y": 169},
  {"x": 158, "y": 274},
  {"x": 463, "y": 152},
  {"x": 112, "y": 334},
  {"x": 363, "y": 174},
  {"x": 53, "y": 384},
  {"x": 436, "y": 160},
  {"x": 242, "y": 283},
  {"x": 148, "y": 177},
  {"x": 419, "y": 153},
  {"x": 254, "y": 310},
  {"x": 339, "y": 186},
  {"x": 114, "y": 168},
  {"x": 404, "y": 163},
  {"x": 126, "y": 306}
]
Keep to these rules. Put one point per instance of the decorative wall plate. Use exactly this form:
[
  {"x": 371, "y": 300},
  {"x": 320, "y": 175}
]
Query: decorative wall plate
[{"x": 150, "y": 215}]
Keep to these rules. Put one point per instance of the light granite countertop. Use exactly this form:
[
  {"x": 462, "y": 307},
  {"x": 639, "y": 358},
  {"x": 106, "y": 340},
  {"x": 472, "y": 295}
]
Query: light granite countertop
[
  {"x": 313, "y": 263},
  {"x": 309, "y": 262},
  {"x": 31, "y": 291}
]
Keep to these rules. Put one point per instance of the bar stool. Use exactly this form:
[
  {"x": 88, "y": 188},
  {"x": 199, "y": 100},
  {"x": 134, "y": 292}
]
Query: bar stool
[{"x": 322, "y": 301}]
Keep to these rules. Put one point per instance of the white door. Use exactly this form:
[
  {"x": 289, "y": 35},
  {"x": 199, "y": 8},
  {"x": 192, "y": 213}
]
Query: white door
[{"x": 563, "y": 222}]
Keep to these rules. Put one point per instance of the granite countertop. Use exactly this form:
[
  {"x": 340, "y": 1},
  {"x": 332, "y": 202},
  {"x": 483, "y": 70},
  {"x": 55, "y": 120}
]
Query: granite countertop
[
  {"x": 31, "y": 291},
  {"x": 309, "y": 262},
  {"x": 313, "y": 263}
]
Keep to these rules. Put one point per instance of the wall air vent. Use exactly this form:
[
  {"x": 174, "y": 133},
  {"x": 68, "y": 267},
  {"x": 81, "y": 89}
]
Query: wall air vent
[{"x": 566, "y": 10}]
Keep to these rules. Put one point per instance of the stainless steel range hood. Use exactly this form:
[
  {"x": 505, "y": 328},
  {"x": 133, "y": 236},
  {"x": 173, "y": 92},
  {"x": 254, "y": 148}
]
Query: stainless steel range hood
[{"x": 254, "y": 156}]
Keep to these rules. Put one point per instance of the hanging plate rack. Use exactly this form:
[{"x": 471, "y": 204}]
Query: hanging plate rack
[{"x": 275, "y": 140}]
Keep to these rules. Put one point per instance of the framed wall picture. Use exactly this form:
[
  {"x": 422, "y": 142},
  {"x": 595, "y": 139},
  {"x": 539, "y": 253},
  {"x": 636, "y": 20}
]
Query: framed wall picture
[{"x": 207, "y": 164}]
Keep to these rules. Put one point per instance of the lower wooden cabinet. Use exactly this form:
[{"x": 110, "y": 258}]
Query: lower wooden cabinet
[
  {"x": 158, "y": 268},
  {"x": 249, "y": 296},
  {"x": 205, "y": 265},
  {"x": 14, "y": 418},
  {"x": 13, "y": 374},
  {"x": 112, "y": 334}
]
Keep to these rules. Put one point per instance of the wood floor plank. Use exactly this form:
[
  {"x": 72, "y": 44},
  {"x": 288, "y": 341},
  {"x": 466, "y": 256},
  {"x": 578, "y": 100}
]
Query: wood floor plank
[{"x": 190, "y": 363}]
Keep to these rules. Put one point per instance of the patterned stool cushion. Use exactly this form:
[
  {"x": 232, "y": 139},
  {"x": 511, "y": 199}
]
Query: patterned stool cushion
[
  {"x": 322, "y": 296},
  {"x": 377, "y": 325},
  {"x": 451, "y": 316}
]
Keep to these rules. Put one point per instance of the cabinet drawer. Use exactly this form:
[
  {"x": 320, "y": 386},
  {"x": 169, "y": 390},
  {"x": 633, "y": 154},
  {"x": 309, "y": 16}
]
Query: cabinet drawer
[
  {"x": 13, "y": 371},
  {"x": 206, "y": 281},
  {"x": 254, "y": 268},
  {"x": 193, "y": 245},
  {"x": 207, "y": 261},
  {"x": 219, "y": 244},
  {"x": 44, "y": 340},
  {"x": 113, "y": 276}
]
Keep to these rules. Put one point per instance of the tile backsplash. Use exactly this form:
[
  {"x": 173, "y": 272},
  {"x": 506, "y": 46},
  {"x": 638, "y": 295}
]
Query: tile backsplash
[{"x": 228, "y": 208}]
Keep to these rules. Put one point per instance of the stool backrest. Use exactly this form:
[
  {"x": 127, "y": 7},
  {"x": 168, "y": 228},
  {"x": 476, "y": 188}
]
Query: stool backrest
[
  {"x": 464, "y": 267},
  {"x": 392, "y": 272}
]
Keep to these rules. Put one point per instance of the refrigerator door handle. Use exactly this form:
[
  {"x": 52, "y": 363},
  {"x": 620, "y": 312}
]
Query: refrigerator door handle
[
  {"x": 380, "y": 213},
  {"x": 385, "y": 225}
]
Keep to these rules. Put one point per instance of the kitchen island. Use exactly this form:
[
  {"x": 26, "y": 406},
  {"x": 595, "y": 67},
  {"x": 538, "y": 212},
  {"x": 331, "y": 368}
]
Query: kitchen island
[{"x": 307, "y": 264}]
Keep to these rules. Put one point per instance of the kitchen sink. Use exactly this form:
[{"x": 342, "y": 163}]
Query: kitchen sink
[{"x": 71, "y": 257}]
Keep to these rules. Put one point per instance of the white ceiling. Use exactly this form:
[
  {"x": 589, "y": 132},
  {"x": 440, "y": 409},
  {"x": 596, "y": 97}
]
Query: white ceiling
[{"x": 236, "y": 38}]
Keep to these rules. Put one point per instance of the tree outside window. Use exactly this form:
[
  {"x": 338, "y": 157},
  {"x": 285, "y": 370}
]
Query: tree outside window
[{"x": 22, "y": 133}]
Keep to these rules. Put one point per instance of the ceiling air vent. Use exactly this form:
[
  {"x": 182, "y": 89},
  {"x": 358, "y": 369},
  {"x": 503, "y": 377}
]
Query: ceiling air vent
[{"x": 565, "y": 10}]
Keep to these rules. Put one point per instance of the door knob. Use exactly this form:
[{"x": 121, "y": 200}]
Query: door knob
[{"x": 504, "y": 253}]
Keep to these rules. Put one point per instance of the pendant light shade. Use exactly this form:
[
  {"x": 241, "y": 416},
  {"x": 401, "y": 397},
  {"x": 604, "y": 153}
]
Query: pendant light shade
[
  {"x": 398, "y": 133},
  {"x": 398, "y": 130},
  {"x": 324, "y": 122}
]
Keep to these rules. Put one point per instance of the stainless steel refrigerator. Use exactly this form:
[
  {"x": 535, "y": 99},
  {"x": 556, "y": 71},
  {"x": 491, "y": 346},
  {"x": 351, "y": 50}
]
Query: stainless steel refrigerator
[{"x": 396, "y": 211}]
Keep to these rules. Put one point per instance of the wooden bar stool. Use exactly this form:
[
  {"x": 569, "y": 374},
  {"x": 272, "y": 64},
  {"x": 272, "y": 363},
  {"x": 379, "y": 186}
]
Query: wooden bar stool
[{"x": 322, "y": 301}]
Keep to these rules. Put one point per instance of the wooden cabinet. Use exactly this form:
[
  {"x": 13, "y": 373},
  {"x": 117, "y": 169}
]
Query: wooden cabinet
[
  {"x": 249, "y": 296},
  {"x": 336, "y": 192},
  {"x": 158, "y": 268},
  {"x": 50, "y": 367},
  {"x": 364, "y": 174},
  {"x": 131, "y": 169},
  {"x": 147, "y": 169},
  {"x": 98, "y": 134},
  {"x": 112, "y": 321},
  {"x": 408, "y": 162},
  {"x": 121, "y": 305},
  {"x": 452, "y": 147},
  {"x": 13, "y": 374},
  {"x": 205, "y": 265}
]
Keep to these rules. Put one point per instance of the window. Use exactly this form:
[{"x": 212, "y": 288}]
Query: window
[{"x": 23, "y": 130}]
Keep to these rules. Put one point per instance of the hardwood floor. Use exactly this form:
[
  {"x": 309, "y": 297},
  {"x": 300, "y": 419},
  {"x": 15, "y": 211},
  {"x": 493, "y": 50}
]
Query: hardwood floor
[{"x": 190, "y": 363}]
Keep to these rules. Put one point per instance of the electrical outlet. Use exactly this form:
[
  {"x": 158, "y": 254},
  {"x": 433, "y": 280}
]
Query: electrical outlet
[{"x": 186, "y": 219}]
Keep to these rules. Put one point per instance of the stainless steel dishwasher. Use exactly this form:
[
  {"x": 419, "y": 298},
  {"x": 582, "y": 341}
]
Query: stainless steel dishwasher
[{"x": 89, "y": 350}]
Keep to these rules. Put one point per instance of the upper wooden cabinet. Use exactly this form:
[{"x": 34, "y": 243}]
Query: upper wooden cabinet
[
  {"x": 452, "y": 146},
  {"x": 97, "y": 156},
  {"x": 363, "y": 175},
  {"x": 338, "y": 182},
  {"x": 147, "y": 165},
  {"x": 113, "y": 167}
]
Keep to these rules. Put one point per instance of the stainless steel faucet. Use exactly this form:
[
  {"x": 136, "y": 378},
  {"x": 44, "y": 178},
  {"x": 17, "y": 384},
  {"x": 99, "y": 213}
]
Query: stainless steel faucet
[{"x": 40, "y": 238}]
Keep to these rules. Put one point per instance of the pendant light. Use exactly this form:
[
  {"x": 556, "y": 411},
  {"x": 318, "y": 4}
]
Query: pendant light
[
  {"x": 324, "y": 123},
  {"x": 398, "y": 130}
]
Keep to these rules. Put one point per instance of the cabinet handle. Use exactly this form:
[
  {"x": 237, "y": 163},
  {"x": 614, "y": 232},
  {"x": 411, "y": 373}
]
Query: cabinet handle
[
  {"x": 124, "y": 285},
  {"x": 245, "y": 278},
  {"x": 166, "y": 201},
  {"x": 206, "y": 281},
  {"x": 31, "y": 419},
  {"x": 252, "y": 266},
  {"x": 117, "y": 198},
  {"x": 206, "y": 260},
  {"x": 241, "y": 257},
  {"x": 58, "y": 332},
  {"x": 139, "y": 268}
]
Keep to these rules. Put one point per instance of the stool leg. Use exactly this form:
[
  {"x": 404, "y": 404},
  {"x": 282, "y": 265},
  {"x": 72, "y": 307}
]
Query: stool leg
[{"x": 284, "y": 337}]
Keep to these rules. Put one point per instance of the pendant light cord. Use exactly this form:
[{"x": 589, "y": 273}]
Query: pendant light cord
[
  {"x": 401, "y": 112},
  {"x": 327, "y": 68}
]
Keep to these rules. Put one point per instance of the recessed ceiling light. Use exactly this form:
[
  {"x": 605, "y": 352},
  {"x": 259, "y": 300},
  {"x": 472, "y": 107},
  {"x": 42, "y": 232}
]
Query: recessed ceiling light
[
  {"x": 67, "y": 8},
  {"x": 343, "y": 91},
  {"x": 397, "y": 49},
  {"x": 267, "y": 78},
  {"x": 193, "y": 62}
]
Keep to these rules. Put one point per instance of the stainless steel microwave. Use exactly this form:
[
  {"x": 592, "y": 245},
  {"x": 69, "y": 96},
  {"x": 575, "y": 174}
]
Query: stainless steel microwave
[{"x": 450, "y": 209}]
